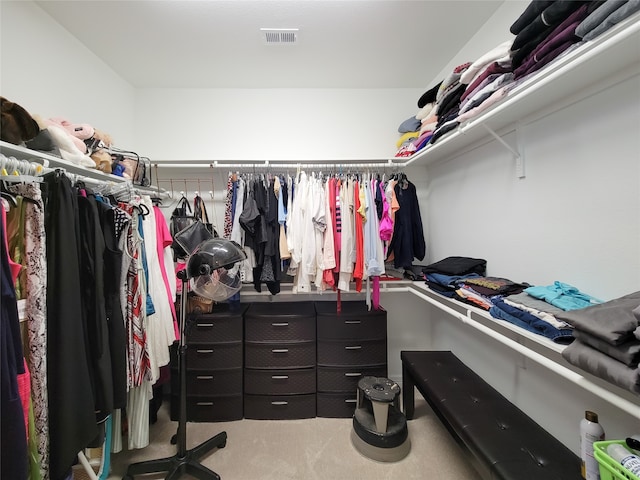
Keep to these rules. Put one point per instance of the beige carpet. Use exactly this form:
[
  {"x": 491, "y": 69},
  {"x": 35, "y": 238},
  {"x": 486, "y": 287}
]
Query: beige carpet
[{"x": 318, "y": 448}]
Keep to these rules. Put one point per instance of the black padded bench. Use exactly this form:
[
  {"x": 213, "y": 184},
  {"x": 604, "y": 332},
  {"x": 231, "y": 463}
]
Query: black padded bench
[{"x": 501, "y": 441}]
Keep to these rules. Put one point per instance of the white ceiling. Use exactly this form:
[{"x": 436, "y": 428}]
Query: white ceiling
[{"x": 218, "y": 44}]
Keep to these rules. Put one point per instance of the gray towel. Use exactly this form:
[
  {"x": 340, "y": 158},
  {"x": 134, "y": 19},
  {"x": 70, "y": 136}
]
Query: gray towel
[
  {"x": 603, "y": 366},
  {"x": 627, "y": 352},
  {"x": 612, "y": 321}
]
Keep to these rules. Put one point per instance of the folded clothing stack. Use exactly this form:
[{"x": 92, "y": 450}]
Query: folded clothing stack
[
  {"x": 607, "y": 341},
  {"x": 443, "y": 276},
  {"x": 484, "y": 291},
  {"x": 534, "y": 315}
]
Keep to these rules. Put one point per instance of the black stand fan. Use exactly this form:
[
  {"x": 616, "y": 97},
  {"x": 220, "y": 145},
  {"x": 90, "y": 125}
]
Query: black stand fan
[
  {"x": 211, "y": 267},
  {"x": 184, "y": 461}
]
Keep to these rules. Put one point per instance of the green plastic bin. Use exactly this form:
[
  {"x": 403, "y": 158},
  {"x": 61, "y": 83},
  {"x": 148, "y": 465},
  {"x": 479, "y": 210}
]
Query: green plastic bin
[{"x": 609, "y": 468}]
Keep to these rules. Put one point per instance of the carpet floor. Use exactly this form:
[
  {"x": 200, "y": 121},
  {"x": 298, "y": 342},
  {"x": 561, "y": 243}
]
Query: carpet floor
[{"x": 311, "y": 449}]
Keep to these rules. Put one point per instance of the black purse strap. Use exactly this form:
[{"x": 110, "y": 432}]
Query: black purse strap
[
  {"x": 183, "y": 205},
  {"x": 200, "y": 209}
]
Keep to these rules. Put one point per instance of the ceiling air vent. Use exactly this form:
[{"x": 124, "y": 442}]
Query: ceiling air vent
[{"x": 280, "y": 36}]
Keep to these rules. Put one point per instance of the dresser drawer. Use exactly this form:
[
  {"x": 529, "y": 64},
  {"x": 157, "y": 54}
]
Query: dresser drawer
[
  {"x": 348, "y": 327},
  {"x": 280, "y": 310},
  {"x": 279, "y": 407},
  {"x": 280, "y": 355},
  {"x": 202, "y": 356},
  {"x": 336, "y": 405},
  {"x": 280, "y": 382},
  {"x": 212, "y": 328},
  {"x": 280, "y": 329},
  {"x": 345, "y": 379},
  {"x": 203, "y": 408},
  {"x": 352, "y": 352},
  {"x": 350, "y": 308},
  {"x": 209, "y": 382}
]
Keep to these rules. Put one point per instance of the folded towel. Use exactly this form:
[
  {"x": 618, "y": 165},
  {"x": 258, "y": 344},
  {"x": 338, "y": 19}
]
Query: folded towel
[
  {"x": 612, "y": 321},
  {"x": 602, "y": 366},
  {"x": 627, "y": 352}
]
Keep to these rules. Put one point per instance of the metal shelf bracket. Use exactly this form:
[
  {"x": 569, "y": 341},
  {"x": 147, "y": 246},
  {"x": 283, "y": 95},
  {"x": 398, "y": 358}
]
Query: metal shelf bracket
[{"x": 517, "y": 156}]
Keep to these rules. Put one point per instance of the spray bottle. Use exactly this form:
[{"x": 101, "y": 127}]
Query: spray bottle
[{"x": 590, "y": 431}]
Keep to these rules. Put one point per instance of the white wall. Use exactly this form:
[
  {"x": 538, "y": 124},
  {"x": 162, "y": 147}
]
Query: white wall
[
  {"x": 50, "y": 73},
  {"x": 574, "y": 217},
  {"x": 494, "y": 32},
  {"x": 271, "y": 124}
]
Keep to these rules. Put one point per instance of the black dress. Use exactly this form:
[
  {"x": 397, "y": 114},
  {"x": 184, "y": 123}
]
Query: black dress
[
  {"x": 92, "y": 250},
  {"x": 115, "y": 321},
  {"x": 72, "y": 421}
]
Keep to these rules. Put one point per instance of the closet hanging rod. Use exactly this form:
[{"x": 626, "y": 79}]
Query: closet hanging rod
[{"x": 387, "y": 163}]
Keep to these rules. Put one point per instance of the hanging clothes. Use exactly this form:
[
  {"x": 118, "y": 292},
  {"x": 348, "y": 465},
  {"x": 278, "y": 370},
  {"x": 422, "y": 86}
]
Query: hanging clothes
[
  {"x": 138, "y": 356},
  {"x": 34, "y": 291},
  {"x": 92, "y": 252},
  {"x": 283, "y": 197},
  {"x": 347, "y": 237},
  {"x": 358, "y": 269},
  {"x": 113, "y": 307},
  {"x": 72, "y": 421},
  {"x": 328, "y": 246},
  {"x": 228, "y": 222},
  {"x": 13, "y": 454},
  {"x": 163, "y": 246},
  {"x": 160, "y": 330},
  {"x": 407, "y": 242}
]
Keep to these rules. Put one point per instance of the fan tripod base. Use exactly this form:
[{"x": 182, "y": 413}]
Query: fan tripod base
[{"x": 177, "y": 465}]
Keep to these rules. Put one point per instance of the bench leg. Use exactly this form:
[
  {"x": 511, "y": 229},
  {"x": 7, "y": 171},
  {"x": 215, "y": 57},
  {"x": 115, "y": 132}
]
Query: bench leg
[{"x": 408, "y": 393}]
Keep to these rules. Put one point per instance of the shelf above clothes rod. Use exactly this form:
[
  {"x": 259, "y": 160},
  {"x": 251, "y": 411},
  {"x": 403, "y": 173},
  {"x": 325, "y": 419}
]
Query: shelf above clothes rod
[
  {"x": 87, "y": 175},
  {"x": 50, "y": 161}
]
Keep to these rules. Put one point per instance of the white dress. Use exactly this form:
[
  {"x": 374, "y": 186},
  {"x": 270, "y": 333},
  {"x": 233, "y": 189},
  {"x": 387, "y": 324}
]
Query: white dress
[{"x": 160, "y": 330}]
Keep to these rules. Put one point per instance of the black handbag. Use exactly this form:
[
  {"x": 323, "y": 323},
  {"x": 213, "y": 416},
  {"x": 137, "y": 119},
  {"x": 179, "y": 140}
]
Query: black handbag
[
  {"x": 200, "y": 213},
  {"x": 192, "y": 236},
  {"x": 181, "y": 218}
]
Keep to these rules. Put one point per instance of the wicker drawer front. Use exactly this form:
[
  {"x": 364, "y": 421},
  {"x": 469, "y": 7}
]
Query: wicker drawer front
[
  {"x": 202, "y": 356},
  {"x": 280, "y": 355},
  {"x": 354, "y": 352},
  {"x": 336, "y": 405},
  {"x": 224, "y": 408},
  {"x": 213, "y": 329},
  {"x": 345, "y": 379},
  {"x": 213, "y": 382},
  {"x": 352, "y": 327},
  {"x": 280, "y": 382},
  {"x": 280, "y": 329},
  {"x": 279, "y": 407}
]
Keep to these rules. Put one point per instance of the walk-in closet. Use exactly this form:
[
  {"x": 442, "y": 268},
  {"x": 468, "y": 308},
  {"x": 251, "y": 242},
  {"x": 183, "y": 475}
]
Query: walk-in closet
[{"x": 398, "y": 176}]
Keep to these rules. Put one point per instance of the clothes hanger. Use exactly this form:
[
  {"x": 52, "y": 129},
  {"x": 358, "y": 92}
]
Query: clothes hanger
[
  {"x": 143, "y": 210},
  {"x": 13, "y": 202}
]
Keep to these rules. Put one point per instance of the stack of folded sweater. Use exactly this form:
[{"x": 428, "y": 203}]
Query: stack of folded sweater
[
  {"x": 442, "y": 276},
  {"x": 607, "y": 341},
  {"x": 545, "y": 31}
]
